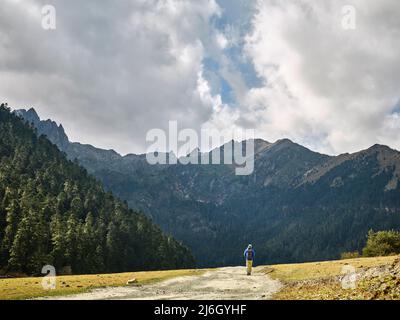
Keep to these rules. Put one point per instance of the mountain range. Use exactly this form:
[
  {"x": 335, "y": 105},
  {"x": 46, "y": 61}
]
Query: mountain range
[{"x": 298, "y": 205}]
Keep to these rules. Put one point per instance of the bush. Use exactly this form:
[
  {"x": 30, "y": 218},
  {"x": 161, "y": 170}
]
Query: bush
[
  {"x": 350, "y": 255},
  {"x": 382, "y": 243}
]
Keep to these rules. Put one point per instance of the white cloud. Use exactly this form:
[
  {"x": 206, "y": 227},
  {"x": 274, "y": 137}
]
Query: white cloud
[
  {"x": 324, "y": 86},
  {"x": 112, "y": 70}
]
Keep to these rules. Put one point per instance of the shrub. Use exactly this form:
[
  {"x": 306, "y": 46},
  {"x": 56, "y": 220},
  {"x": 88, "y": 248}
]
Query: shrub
[{"x": 382, "y": 243}]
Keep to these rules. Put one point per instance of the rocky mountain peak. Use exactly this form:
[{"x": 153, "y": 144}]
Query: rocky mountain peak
[
  {"x": 54, "y": 132},
  {"x": 29, "y": 115}
]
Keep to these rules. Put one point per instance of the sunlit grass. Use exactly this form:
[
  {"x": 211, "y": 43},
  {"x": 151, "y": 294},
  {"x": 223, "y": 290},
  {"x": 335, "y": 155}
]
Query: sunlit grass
[
  {"x": 314, "y": 270},
  {"x": 316, "y": 280},
  {"x": 28, "y": 288}
]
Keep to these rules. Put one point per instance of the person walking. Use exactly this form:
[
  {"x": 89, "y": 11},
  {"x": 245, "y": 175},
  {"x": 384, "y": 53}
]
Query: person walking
[{"x": 249, "y": 255}]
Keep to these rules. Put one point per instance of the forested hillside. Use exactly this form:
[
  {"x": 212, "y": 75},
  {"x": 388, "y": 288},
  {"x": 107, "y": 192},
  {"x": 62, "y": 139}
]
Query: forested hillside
[
  {"x": 53, "y": 212},
  {"x": 297, "y": 206}
]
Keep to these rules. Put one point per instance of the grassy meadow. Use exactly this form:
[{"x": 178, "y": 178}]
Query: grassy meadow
[
  {"x": 304, "y": 281},
  {"x": 318, "y": 280},
  {"x": 29, "y": 288}
]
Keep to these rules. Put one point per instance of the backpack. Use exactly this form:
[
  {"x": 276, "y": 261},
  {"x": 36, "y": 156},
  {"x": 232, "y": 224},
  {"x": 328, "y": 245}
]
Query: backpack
[{"x": 250, "y": 254}]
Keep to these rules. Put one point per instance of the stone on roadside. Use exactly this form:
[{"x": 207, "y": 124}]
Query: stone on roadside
[{"x": 132, "y": 281}]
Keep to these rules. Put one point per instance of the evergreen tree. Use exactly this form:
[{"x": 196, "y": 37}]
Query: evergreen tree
[{"x": 53, "y": 212}]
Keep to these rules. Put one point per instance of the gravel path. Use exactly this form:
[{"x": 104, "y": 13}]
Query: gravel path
[{"x": 221, "y": 284}]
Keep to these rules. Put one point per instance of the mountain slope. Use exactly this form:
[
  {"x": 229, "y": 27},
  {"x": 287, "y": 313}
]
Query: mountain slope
[
  {"x": 298, "y": 205},
  {"x": 53, "y": 212}
]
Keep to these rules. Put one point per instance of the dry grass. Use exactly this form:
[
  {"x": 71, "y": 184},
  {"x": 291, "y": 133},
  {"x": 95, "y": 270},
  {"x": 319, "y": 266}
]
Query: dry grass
[
  {"x": 318, "y": 280},
  {"x": 315, "y": 270},
  {"x": 28, "y": 288}
]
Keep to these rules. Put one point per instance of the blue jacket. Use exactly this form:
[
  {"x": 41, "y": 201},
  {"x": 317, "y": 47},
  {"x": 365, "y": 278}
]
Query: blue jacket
[{"x": 245, "y": 253}]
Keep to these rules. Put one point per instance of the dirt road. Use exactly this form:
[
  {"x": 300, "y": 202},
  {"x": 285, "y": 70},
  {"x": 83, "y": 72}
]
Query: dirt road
[{"x": 221, "y": 284}]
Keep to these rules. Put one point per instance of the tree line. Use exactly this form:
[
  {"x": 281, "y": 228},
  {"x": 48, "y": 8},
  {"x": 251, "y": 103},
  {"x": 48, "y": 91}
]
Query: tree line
[{"x": 53, "y": 212}]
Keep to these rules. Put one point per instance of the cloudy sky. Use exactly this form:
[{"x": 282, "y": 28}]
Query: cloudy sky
[{"x": 112, "y": 70}]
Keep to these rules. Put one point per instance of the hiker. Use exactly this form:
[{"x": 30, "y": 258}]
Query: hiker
[{"x": 249, "y": 254}]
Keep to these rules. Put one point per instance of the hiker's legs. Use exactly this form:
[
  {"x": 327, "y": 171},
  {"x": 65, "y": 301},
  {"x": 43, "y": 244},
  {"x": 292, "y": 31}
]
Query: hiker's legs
[{"x": 249, "y": 265}]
